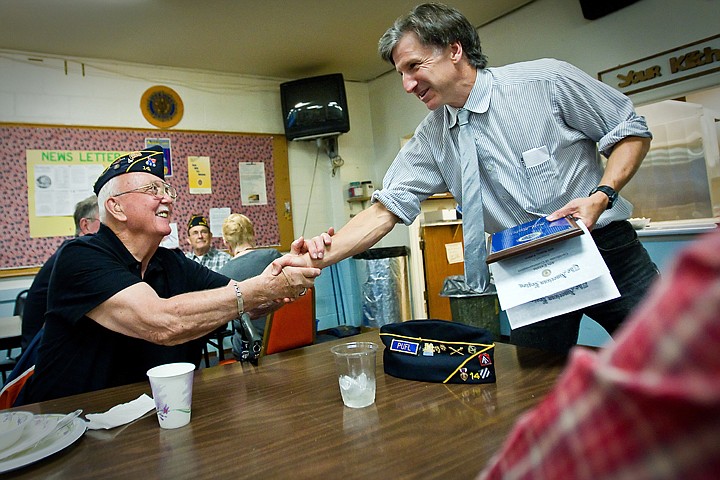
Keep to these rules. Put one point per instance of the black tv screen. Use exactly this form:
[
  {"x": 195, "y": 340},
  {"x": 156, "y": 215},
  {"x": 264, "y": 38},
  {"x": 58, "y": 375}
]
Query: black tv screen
[{"x": 314, "y": 107}]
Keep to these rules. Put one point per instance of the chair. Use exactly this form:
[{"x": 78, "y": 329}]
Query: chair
[
  {"x": 291, "y": 326},
  {"x": 20, "y": 303},
  {"x": 8, "y": 363},
  {"x": 217, "y": 340},
  {"x": 12, "y": 393}
]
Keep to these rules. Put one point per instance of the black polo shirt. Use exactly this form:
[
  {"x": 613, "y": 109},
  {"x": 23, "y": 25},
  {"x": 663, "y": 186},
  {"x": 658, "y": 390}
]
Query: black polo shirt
[{"x": 79, "y": 355}]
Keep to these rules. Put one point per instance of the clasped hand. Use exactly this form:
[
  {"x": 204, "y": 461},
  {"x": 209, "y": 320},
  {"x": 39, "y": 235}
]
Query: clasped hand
[{"x": 297, "y": 266}]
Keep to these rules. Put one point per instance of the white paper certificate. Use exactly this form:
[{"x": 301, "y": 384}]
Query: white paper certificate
[
  {"x": 580, "y": 296},
  {"x": 550, "y": 281},
  {"x": 547, "y": 270}
]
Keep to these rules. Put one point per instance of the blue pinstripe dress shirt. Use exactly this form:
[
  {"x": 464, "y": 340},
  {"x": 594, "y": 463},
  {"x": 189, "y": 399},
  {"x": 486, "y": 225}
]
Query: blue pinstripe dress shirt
[{"x": 519, "y": 107}]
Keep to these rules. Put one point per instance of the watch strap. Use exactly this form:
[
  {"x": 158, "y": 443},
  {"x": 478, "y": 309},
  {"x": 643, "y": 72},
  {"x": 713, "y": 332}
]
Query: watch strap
[{"x": 607, "y": 190}]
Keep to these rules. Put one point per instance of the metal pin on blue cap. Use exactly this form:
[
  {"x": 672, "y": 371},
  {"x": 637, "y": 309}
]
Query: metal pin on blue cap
[{"x": 149, "y": 160}]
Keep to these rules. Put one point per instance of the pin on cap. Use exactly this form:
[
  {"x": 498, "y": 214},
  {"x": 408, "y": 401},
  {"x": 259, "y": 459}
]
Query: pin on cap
[{"x": 149, "y": 160}]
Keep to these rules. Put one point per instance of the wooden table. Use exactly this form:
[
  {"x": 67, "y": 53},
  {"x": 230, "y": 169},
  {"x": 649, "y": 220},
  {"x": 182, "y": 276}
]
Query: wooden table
[{"x": 285, "y": 419}]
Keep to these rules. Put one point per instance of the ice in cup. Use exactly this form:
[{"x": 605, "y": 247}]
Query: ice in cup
[
  {"x": 172, "y": 391},
  {"x": 356, "y": 372}
]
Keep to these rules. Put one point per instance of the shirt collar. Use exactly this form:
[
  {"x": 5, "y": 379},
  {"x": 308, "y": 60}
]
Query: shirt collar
[
  {"x": 479, "y": 99},
  {"x": 120, "y": 249}
]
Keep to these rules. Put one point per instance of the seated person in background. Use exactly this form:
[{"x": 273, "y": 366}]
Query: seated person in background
[
  {"x": 646, "y": 407},
  {"x": 200, "y": 240},
  {"x": 239, "y": 236},
  {"x": 86, "y": 221},
  {"x": 118, "y": 304}
]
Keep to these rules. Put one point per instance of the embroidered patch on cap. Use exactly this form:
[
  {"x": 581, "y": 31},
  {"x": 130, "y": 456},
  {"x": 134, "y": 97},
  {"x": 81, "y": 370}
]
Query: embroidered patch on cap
[
  {"x": 198, "y": 220},
  {"x": 403, "y": 346}
]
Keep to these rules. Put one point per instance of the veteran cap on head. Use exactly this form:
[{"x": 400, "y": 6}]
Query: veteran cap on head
[
  {"x": 149, "y": 160},
  {"x": 198, "y": 220}
]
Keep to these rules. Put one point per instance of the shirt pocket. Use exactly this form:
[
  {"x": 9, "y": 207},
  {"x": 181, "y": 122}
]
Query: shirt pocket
[{"x": 539, "y": 184}]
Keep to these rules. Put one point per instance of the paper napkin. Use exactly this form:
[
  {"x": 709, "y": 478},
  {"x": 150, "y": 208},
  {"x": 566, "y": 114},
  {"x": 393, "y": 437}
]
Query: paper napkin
[{"x": 121, "y": 414}]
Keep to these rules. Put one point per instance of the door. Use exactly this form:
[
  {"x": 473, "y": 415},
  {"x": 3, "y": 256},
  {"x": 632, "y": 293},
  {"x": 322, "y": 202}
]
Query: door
[{"x": 438, "y": 266}]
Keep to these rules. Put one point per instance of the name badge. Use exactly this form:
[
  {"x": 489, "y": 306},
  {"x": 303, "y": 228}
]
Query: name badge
[{"x": 403, "y": 346}]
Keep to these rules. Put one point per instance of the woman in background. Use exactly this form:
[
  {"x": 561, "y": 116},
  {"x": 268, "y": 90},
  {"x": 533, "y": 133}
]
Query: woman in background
[{"x": 247, "y": 261}]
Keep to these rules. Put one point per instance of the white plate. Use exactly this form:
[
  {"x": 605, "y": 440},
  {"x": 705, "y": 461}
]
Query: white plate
[
  {"x": 639, "y": 223},
  {"x": 12, "y": 426},
  {"x": 41, "y": 425},
  {"x": 36, "y": 429}
]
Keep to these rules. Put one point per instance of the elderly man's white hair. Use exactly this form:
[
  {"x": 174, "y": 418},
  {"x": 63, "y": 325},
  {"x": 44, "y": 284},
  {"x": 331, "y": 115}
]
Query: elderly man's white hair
[{"x": 107, "y": 191}]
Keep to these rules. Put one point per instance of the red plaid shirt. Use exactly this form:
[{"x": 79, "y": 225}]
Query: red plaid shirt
[{"x": 647, "y": 407}]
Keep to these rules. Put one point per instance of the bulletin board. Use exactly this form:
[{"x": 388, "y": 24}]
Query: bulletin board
[{"x": 22, "y": 253}]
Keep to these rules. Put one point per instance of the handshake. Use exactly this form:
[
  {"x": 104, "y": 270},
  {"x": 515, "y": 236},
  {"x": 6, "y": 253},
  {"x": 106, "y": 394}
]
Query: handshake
[{"x": 302, "y": 264}]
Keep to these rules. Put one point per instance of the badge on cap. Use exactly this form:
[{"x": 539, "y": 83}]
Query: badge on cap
[
  {"x": 149, "y": 160},
  {"x": 198, "y": 221},
  {"x": 403, "y": 346}
]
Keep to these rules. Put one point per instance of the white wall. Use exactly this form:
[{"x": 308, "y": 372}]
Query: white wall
[
  {"x": 108, "y": 94},
  {"x": 96, "y": 93},
  {"x": 556, "y": 28}
]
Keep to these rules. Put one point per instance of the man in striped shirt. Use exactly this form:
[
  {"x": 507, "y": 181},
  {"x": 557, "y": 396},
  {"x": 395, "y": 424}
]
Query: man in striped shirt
[
  {"x": 538, "y": 127},
  {"x": 202, "y": 250}
]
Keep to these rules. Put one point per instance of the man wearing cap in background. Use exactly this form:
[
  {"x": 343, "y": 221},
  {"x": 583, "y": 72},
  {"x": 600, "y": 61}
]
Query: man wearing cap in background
[
  {"x": 200, "y": 240},
  {"x": 118, "y": 304},
  {"x": 87, "y": 221}
]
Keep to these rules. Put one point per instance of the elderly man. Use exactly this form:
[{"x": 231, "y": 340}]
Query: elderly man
[
  {"x": 87, "y": 221},
  {"x": 119, "y": 304},
  {"x": 200, "y": 240}
]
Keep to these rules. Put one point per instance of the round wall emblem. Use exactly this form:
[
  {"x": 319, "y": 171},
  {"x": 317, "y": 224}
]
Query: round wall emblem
[{"x": 161, "y": 106}]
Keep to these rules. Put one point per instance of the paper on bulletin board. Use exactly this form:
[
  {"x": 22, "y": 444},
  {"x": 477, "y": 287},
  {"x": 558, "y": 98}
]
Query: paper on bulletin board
[
  {"x": 199, "y": 175},
  {"x": 253, "y": 189},
  {"x": 57, "y": 180},
  {"x": 171, "y": 240},
  {"x": 59, "y": 187},
  {"x": 167, "y": 152},
  {"x": 217, "y": 218}
]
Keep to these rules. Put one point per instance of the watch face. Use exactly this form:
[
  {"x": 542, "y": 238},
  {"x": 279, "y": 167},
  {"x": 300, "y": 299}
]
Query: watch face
[{"x": 161, "y": 106}]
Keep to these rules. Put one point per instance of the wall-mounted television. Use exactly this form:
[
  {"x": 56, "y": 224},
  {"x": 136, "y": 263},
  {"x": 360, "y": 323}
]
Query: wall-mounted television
[{"x": 314, "y": 107}]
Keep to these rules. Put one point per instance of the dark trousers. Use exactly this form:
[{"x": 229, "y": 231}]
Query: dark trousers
[{"x": 633, "y": 273}]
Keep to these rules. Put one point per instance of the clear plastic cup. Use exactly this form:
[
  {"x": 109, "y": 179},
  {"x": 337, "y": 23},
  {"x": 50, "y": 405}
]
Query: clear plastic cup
[{"x": 356, "y": 372}]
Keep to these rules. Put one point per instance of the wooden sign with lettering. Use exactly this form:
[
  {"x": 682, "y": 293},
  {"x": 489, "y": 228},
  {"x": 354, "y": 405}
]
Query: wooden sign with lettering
[{"x": 689, "y": 61}]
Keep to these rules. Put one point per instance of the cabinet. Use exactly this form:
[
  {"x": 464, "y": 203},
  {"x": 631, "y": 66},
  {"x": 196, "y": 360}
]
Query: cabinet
[
  {"x": 429, "y": 265},
  {"x": 434, "y": 238}
]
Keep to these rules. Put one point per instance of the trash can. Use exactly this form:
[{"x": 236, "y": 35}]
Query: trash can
[
  {"x": 382, "y": 274},
  {"x": 473, "y": 308}
]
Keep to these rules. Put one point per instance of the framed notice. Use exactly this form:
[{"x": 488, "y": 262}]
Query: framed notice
[{"x": 529, "y": 236}]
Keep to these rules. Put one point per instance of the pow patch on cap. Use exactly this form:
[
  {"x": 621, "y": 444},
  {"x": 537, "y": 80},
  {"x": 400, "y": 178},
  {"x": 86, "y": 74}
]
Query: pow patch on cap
[
  {"x": 198, "y": 220},
  {"x": 149, "y": 160}
]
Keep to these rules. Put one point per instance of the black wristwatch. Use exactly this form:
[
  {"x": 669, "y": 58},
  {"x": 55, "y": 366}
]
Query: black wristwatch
[{"x": 609, "y": 191}]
